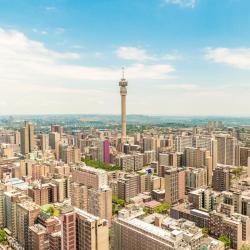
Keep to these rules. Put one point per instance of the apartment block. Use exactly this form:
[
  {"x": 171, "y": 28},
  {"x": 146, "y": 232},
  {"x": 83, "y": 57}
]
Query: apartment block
[
  {"x": 90, "y": 177},
  {"x": 92, "y": 233}
]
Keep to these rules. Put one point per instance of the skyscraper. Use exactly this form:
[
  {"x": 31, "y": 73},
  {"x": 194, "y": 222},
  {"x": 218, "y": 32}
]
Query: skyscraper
[
  {"x": 91, "y": 232},
  {"x": 68, "y": 218},
  {"x": 123, "y": 92},
  {"x": 106, "y": 155},
  {"x": 27, "y": 212},
  {"x": 27, "y": 138}
]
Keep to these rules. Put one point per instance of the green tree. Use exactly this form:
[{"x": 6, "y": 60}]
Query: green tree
[
  {"x": 146, "y": 210},
  {"x": 226, "y": 240},
  {"x": 205, "y": 231},
  {"x": 53, "y": 211},
  {"x": 101, "y": 165},
  {"x": 162, "y": 209},
  {"x": 245, "y": 247},
  {"x": 237, "y": 172},
  {"x": 3, "y": 237},
  {"x": 118, "y": 201},
  {"x": 115, "y": 209}
]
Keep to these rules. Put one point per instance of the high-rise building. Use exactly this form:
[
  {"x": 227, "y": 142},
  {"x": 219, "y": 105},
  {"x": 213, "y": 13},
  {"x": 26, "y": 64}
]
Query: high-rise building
[
  {"x": 92, "y": 233},
  {"x": 244, "y": 155},
  {"x": 68, "y": 218},
  {"x": 90, "y": 177},
  {"x": 70, "y": 154},
  {"x": 57, "y": 128},
  {"x": 27, "y": 138},
  {"x": 196, "y": 178},
  {"x": 11, "y": 199},
  {"x": 182, "y": 142},
  {"x": 130, "y": 232},
  {"x": 221, "y": 179},
  {"x": 2, "y": 217},
  {"x": 38, "y": 238},
  {"x": 128, "y": 186},
  {"x": 123, "y": 92},
  {"x": 174, "y": 185},
  {"x": 39, "y": 194},
  {"x": 226, "y": 149},
  {"x": 214, "y": 155},
  {"x": 44, "y": 141},
  {"x": 27, "y": 212},
  {"x": 54, "y": 139},
  {"x": 100, "y": 203},
  {"x": 79, "y": 196},
  {"x": 63, "y": 188},
  {"x": 106, "y": 150},
  {"x": 204, "y": 199},
  {"x": 235, "y": 226},
  {"x": 55, "y": 241},
  {"x": 195, "y": 157}
]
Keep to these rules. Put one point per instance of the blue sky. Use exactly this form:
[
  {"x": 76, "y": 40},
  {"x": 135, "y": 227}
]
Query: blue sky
[{"x": 182, "y": 57}]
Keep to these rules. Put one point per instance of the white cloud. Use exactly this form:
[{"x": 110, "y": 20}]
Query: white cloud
[
  {"x": 172, "y": 56},
  {"x": 183, "y": 3},
  {"x": 76, "y": 46},
  {"x": 59, "y": 31},
  {"x": 238, "y": 57},
  {"x": 133, "y": 53},
  {"x": 50, "y": 8},
  {"x": 27, "y": 61},
  {"x": 140, "y": 55},
  {"x": 42, "y": 32},
  {"x": 178, "y": 87},
  {"x": 41, "y": 80}
]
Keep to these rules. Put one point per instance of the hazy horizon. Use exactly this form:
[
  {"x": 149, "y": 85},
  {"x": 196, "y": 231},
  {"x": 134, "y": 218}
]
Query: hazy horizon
[{"x": 181, "y": 57}]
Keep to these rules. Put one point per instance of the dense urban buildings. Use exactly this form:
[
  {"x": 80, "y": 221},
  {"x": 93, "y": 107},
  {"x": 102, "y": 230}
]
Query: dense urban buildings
[{"x": 137, "y": 187}]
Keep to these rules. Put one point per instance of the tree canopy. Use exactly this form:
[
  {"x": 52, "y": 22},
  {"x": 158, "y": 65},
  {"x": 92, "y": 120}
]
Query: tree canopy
[
  {"x": 3, "y": 237},
  {"x": 226, "y": 240},
  {"x": 101, "y": 165},
  {"x": 162, "y": 209}
]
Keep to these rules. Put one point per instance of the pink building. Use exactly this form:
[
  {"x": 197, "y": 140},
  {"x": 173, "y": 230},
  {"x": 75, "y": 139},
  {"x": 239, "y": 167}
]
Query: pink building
[{"x": 106, "y": 151}]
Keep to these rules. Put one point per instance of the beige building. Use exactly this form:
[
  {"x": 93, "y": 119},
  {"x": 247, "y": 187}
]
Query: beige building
[
  {"x": 128, "y": 187},
  {"x": 174, "y": 185},
  {"x": 27, "y": 212},
  {"x": 236, "y": 227},
  {"x": 44, "y": 142},
  {"x": 226, "y": 149},
  {"x": 90, "y": 177},
  {"x": 130, "y": 233},
  {"x": 11, "y": 199},
  {"x": 92, "y": 233},
  {"x": 38, "y": 237},
  {"x": 70, "y": 154},
  {"x": 39, "y": 194},
  {"x": 100, "y": 203},
  {"x": 195, "y": 157},
  {"x": 79, "y": 196},
  {"x": 244, "y": 155},
  {"x": 221, "y": 178},
  {"x": 27, "y": 138},
  {"x": 182, "y": 142},
  {"x": 62, "y": 188},
  {"x": 196, "y": 178}
]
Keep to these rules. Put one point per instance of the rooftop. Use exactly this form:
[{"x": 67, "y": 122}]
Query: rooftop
[
  {"x": 91, "y": 169},
  {"x": 88, "y": 216}
]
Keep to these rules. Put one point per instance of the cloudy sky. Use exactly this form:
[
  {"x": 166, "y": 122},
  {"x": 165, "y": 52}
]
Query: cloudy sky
[{"x": 181, "y": 57}]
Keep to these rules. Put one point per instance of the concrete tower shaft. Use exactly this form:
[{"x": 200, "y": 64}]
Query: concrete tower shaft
[{"x": 123, "y": 92}]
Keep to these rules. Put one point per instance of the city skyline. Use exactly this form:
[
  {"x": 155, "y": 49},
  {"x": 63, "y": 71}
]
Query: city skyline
[{"x": 182, "y": 57}]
